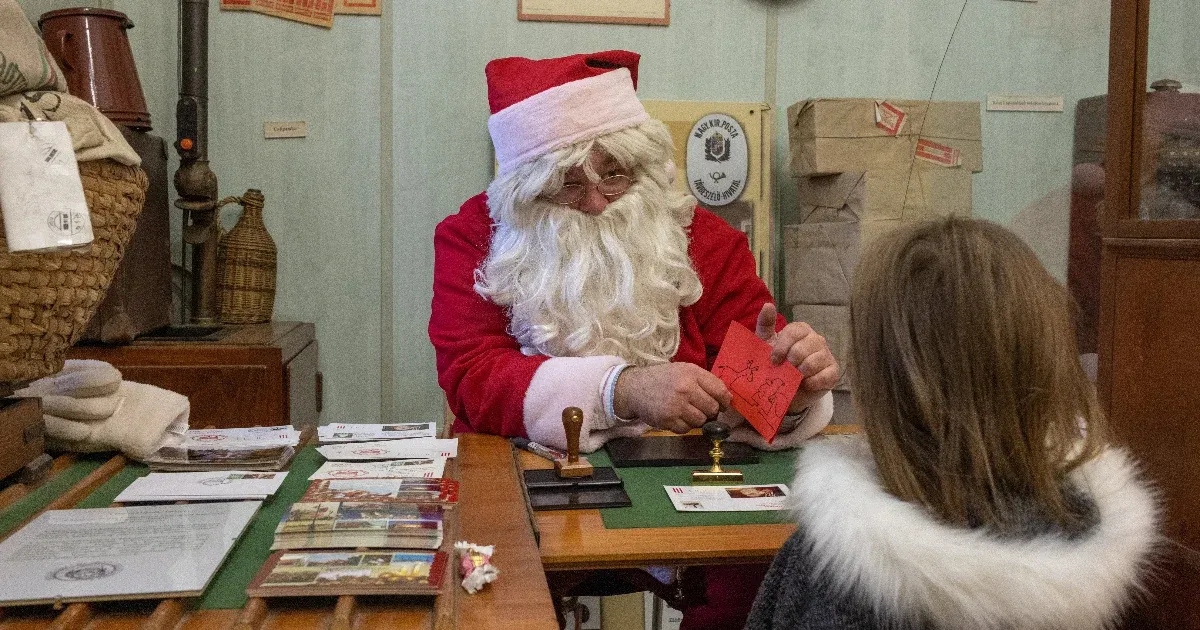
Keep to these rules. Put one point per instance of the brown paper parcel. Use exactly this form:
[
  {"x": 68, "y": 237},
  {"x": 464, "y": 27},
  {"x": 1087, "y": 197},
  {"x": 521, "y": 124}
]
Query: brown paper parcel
[
  {"x": 829, "y": 136},
  {"x": 927, "y": 191},
  {"x": 833, "y": 323},
  {"x": 818, "y": 260}
]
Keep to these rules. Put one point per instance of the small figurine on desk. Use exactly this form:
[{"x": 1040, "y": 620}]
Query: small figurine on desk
[
  {"x": 574, "y": 465},
  {"x": 717, "y": 432}
]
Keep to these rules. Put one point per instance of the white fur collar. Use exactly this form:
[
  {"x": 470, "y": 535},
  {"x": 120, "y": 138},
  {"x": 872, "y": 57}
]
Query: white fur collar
[{"x": 909, "y": 567}]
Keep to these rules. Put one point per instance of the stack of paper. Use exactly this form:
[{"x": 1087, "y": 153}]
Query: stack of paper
[
  {"x": 337, "y": 433},
  {"x": 202, "y": 486},
  {"x": 429, "y": 468},
  {"x": 253, "y": 449},
  {"x": 419, "y": 448},
  {"x": 353, "y": 524},
  {"x": 379, "y": 513}
]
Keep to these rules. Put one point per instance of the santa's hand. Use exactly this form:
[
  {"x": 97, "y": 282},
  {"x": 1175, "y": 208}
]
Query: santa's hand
[
  {"x": 800, "y": 345},
  {"x": 673, "y": 396}
]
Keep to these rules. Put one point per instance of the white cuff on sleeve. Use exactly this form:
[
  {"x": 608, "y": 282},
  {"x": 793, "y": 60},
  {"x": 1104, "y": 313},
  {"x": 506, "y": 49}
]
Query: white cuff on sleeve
[{"x": 573, "y": 382}]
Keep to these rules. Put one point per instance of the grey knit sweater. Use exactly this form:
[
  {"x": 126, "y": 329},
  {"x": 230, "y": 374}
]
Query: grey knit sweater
[{"x": 862, "y": 558}]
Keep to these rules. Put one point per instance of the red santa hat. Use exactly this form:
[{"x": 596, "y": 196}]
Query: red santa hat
[{"x": 539, "y": 105}]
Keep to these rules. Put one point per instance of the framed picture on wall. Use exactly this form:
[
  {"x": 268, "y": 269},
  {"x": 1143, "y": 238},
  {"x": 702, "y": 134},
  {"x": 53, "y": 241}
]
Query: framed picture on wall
[{"x": 652, "y": 12}]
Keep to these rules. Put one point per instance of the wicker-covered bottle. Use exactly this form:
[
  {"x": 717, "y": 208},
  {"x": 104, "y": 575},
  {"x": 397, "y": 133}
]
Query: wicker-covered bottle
[{"x": 246, "y": 260}]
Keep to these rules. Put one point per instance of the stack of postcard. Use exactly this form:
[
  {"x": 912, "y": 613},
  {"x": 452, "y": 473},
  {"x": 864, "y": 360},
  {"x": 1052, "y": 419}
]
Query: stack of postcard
[
  {"x": 406, "y": 513},
  {"x": 336, "y": 433},
  {"x": 304, "y": 574},
  {"x": 352, "y": 524},
  {"x": 202, "y": 486},
  {"x": 400, "y": 490},
  {"x": 252, "y": 449}
]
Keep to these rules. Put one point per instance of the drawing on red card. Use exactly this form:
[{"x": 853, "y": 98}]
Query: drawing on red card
[
  {"x": 730, "y": 376},
  {"x": 761, "y": 390},
  {"x": 767, "y": 397}
]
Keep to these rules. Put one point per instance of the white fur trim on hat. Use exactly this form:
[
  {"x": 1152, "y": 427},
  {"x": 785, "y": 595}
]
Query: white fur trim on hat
[{"x": 563, "y": 115}]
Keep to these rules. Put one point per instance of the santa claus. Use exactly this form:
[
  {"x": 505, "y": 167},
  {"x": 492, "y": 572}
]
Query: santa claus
[{"x": 584, "y": 278}]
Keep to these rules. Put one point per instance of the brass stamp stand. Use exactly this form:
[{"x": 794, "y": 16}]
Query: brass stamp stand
[{"x": 716, "y": 476}]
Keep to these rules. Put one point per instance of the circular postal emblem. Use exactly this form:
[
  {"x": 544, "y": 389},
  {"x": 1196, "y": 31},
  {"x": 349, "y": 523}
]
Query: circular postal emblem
[
  {"x": 718, "y": 160},
  {"x": 85, "y": 571},
  {"x": 369, "y": 451}
]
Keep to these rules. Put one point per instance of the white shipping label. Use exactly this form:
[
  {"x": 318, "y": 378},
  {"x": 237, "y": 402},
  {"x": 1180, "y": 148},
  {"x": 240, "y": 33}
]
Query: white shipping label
[
  {"x": 41, "y": 194},
  {"x": 1024, "y": 103}
]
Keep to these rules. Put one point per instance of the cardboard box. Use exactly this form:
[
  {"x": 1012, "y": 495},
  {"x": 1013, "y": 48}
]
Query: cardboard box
[
  {"x": 829, "y": 136},
  {"x": 819, "y": 259},
  {"x": 922, "y": 192},
  {"x": 832, "y": 322}
]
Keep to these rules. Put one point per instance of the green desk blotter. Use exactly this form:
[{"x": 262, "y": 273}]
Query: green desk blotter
[{"x": 652, "y": 508}]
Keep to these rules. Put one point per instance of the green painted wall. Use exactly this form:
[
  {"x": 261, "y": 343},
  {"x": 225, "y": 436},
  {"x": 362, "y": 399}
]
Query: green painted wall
[{"x": 397, "y": 109}]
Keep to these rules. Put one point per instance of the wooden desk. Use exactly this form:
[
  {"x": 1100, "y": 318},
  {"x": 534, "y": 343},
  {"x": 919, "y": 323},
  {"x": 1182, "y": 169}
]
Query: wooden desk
[
  {"x": 577, "y": 540},
  {"x": 492, "y": 509}
]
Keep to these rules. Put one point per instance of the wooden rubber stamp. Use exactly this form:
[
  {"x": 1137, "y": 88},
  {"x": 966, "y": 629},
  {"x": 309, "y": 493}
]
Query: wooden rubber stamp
[
  {"x": 573, "y": 465},
  {"x": 716, "y": 476}
]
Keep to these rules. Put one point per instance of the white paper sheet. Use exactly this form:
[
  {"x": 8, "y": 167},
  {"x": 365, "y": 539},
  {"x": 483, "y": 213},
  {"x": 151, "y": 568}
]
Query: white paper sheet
[
  {"x": 41, "y": 194},
  {"x": 184, "y": 486},
  {"x": 119, "y": 553},
  {"x": 430, "y": 468},
  {"x": 422, "y": 448},
  {"x": 728, "y": 498},
  {"x": 335, "y": 433}
]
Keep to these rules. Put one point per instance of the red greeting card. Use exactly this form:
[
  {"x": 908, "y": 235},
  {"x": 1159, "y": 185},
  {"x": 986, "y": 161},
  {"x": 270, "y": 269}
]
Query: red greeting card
[{"x": 761, "y": 391}]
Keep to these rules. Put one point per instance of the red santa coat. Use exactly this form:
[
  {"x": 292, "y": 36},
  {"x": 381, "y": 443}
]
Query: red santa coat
[{"x": 492, "y": 387}]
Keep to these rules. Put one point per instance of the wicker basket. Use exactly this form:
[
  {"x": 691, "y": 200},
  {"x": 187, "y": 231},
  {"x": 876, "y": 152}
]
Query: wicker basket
[
  {"x": 246, "y": 258},
  {"x": 46, "y": 299}
]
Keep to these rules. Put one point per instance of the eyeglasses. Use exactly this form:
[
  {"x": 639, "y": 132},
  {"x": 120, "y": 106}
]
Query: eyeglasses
[{"x": 571, "y": 194}]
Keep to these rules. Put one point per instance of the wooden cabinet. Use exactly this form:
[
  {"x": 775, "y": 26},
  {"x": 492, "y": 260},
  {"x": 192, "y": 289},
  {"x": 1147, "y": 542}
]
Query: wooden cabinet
[
  {"x": 263, "y": 374},
  {"x": 1150, "y": 294}
]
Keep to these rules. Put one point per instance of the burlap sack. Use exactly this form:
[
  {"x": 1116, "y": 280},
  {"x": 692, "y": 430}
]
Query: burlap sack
[
  {"x": 93, "y": 135},
  {"x": 25, "y": 64}
]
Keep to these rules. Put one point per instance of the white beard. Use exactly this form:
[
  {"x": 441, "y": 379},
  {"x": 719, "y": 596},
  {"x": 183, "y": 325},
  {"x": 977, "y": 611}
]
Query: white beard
[{"x": 585, "y": 285}]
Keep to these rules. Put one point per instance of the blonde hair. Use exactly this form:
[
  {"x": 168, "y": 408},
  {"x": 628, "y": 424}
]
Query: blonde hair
[{"x": 965, "y": 371}]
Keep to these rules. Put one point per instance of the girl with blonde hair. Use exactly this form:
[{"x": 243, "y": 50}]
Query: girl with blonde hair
[{"x": 984, "y": 494}]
